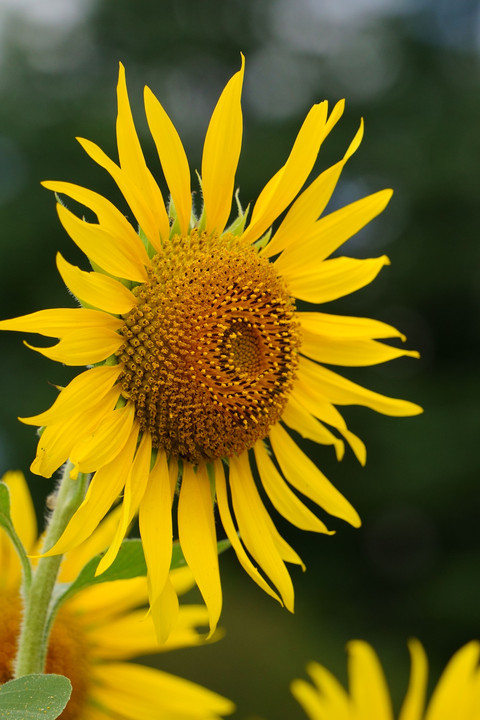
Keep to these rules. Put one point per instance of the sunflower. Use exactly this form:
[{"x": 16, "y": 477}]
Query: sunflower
[
  {"x": 98, "y": 630},
  {"x": 457, "y": 694},
  {"x": 201, "y": 362}
]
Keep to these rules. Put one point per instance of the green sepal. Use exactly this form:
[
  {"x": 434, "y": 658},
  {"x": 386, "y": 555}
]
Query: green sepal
[
  {"x": 146, "y": 242},
  {"x": 238, "y": 225},
  {"x": 7, "y": 524},
  {"x": 202, "y": 220},
  {"x": 34, "y": 696},
  {"x": 264, "y": 240},
  {"x": 173, "y": 217}
]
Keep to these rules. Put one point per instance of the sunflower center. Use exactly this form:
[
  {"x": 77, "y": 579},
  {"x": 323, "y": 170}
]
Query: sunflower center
[
  {"x": 210, "y": 349},
  {"x": 67, "y": 652}
]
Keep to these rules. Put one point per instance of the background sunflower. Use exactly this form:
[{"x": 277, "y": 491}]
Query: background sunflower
[{"x": 405, "y": 67}]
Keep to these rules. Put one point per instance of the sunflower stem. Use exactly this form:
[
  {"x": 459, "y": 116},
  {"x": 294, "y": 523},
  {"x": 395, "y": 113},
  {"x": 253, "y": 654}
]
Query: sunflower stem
[{"x": 33, "y": 640}]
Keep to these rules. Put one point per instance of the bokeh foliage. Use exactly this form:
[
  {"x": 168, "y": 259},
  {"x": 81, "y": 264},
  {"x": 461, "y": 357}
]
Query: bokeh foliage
[{"x": 411, "y": 69}]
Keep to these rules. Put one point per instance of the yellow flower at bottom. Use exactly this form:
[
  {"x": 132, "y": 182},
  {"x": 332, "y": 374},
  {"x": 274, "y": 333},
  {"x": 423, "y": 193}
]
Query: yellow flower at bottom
[
  {"x": 203, "y": 362},
  {"x": 98, "y": 630},
  {"x": 456, "y": 696}
]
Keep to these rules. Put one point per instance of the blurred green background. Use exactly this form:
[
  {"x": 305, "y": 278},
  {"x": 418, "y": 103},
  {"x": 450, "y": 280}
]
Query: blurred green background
[{"x": 411, "y": 69}]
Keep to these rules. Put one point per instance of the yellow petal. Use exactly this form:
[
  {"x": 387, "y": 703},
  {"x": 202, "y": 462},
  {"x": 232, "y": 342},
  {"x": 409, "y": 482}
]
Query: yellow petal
[
  {"x": 282, "y": 498},
  {"x": 279, "y": 192},
  {"x": 229, "y": 527},
  {"x": 83, "y": 392},
  {"x": 349, "y": 353},
  {"x": 309, "y": 396},
  {"x": 331, "y": 689},
  {"x": 83, "y": 347},
  {"x": 300, "y": 420},
  {"x": 155, "y": 519},
  {"x": 221, "y": 152},
  {"x": 135, "y": 486},
  {"x": 457, "y": 689},
  {"x": 95, "y": 601},
  {"x": 333, "y": 279},
  {"x": 148, "y": 198},
  {"x": 105, "y": 442},
  {"x": 414, "y": 703},
  {"x": 255, "y": 529},
  {"x": 312, "y": 702},
  {"x": 97, "y": 542},
  {"x": 344, "y": 326},
  {"x": 341, "y": 391},
  {"x": 119, "y": 255},
  {"x": 368, "y": 688},
  {"x": 59, "y": 322},
  {"x": 102, "y": 492},
  {"x": 330, "y": 232},
  {"x": 121, "y": 236},
  {"x": 196, "y": 532},
  {"x": 301, "y": 472},
  {"x": 95, "y": 289},
  {"x": 22, "y": 510},
  {"x": 135, "y": 691},
  {"x": 56, "y": 441},
  {"x": 300, "y": 219},
  {"x": 172, "y": 157},
  {"x": 164, "y": 608}
]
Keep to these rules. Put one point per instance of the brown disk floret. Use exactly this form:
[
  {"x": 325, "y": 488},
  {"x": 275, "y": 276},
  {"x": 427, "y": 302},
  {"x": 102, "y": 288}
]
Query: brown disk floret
[{"x": 210, "y": 349}]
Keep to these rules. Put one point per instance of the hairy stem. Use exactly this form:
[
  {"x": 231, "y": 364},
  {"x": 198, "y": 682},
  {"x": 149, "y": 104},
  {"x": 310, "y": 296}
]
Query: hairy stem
[{"x": 33, "y": 640}]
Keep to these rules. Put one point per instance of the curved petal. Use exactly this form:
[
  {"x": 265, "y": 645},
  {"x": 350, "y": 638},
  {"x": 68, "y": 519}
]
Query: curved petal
[
  {"x": 341, "y": 391},
  {"x": 330, "y": 232},
  {"x": 56, "y": 441},
  {"x": 22, "y": 510},
  {"x": 83, "y": 347},
  {"x": 368, "y": 688},
  {"x": 311, "y": 399},
  {"x": 458, "y": 688},
  {"x": 414, "y": 703},
  {"x": 127, "y": 247},
  {"x": 102, "y": 445},
  {"x": 300, "y": 219},
  {"x": 172, "y": 157},
  {"x": 334, "y": 278},
  {"x": 300, "y": 420},
  {"x": 134, "y": 491},
  {"x": 155, "y": 520},
  {"x": 103, "y": 490},
  {"x": 283, "y": 187},
  {"x": 256, "y": 528},
  {"x": 95, "y": 289},
  {"x": 344, "y": 326},
  {"x": 61, "y": 321},
  {"x": 196, "y": 532},
  {"x": 134, "y": 691},
  {"x": 229, "y": 527},
  {"x": 79, "y": 396},
  {"x": 282, "y": 498},
  {"x": 221, "y": 152},
  {"x": 303, "y": 474},
  {"x": 332, "y": 691},
  {"x": 118, "y": 255},
  {"x": 148, "y": 198},
  {"x": 350, "y": 353}
]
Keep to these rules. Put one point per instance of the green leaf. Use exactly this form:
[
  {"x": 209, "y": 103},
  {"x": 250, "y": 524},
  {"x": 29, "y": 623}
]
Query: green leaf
[{"x": 34, "y": 697}]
